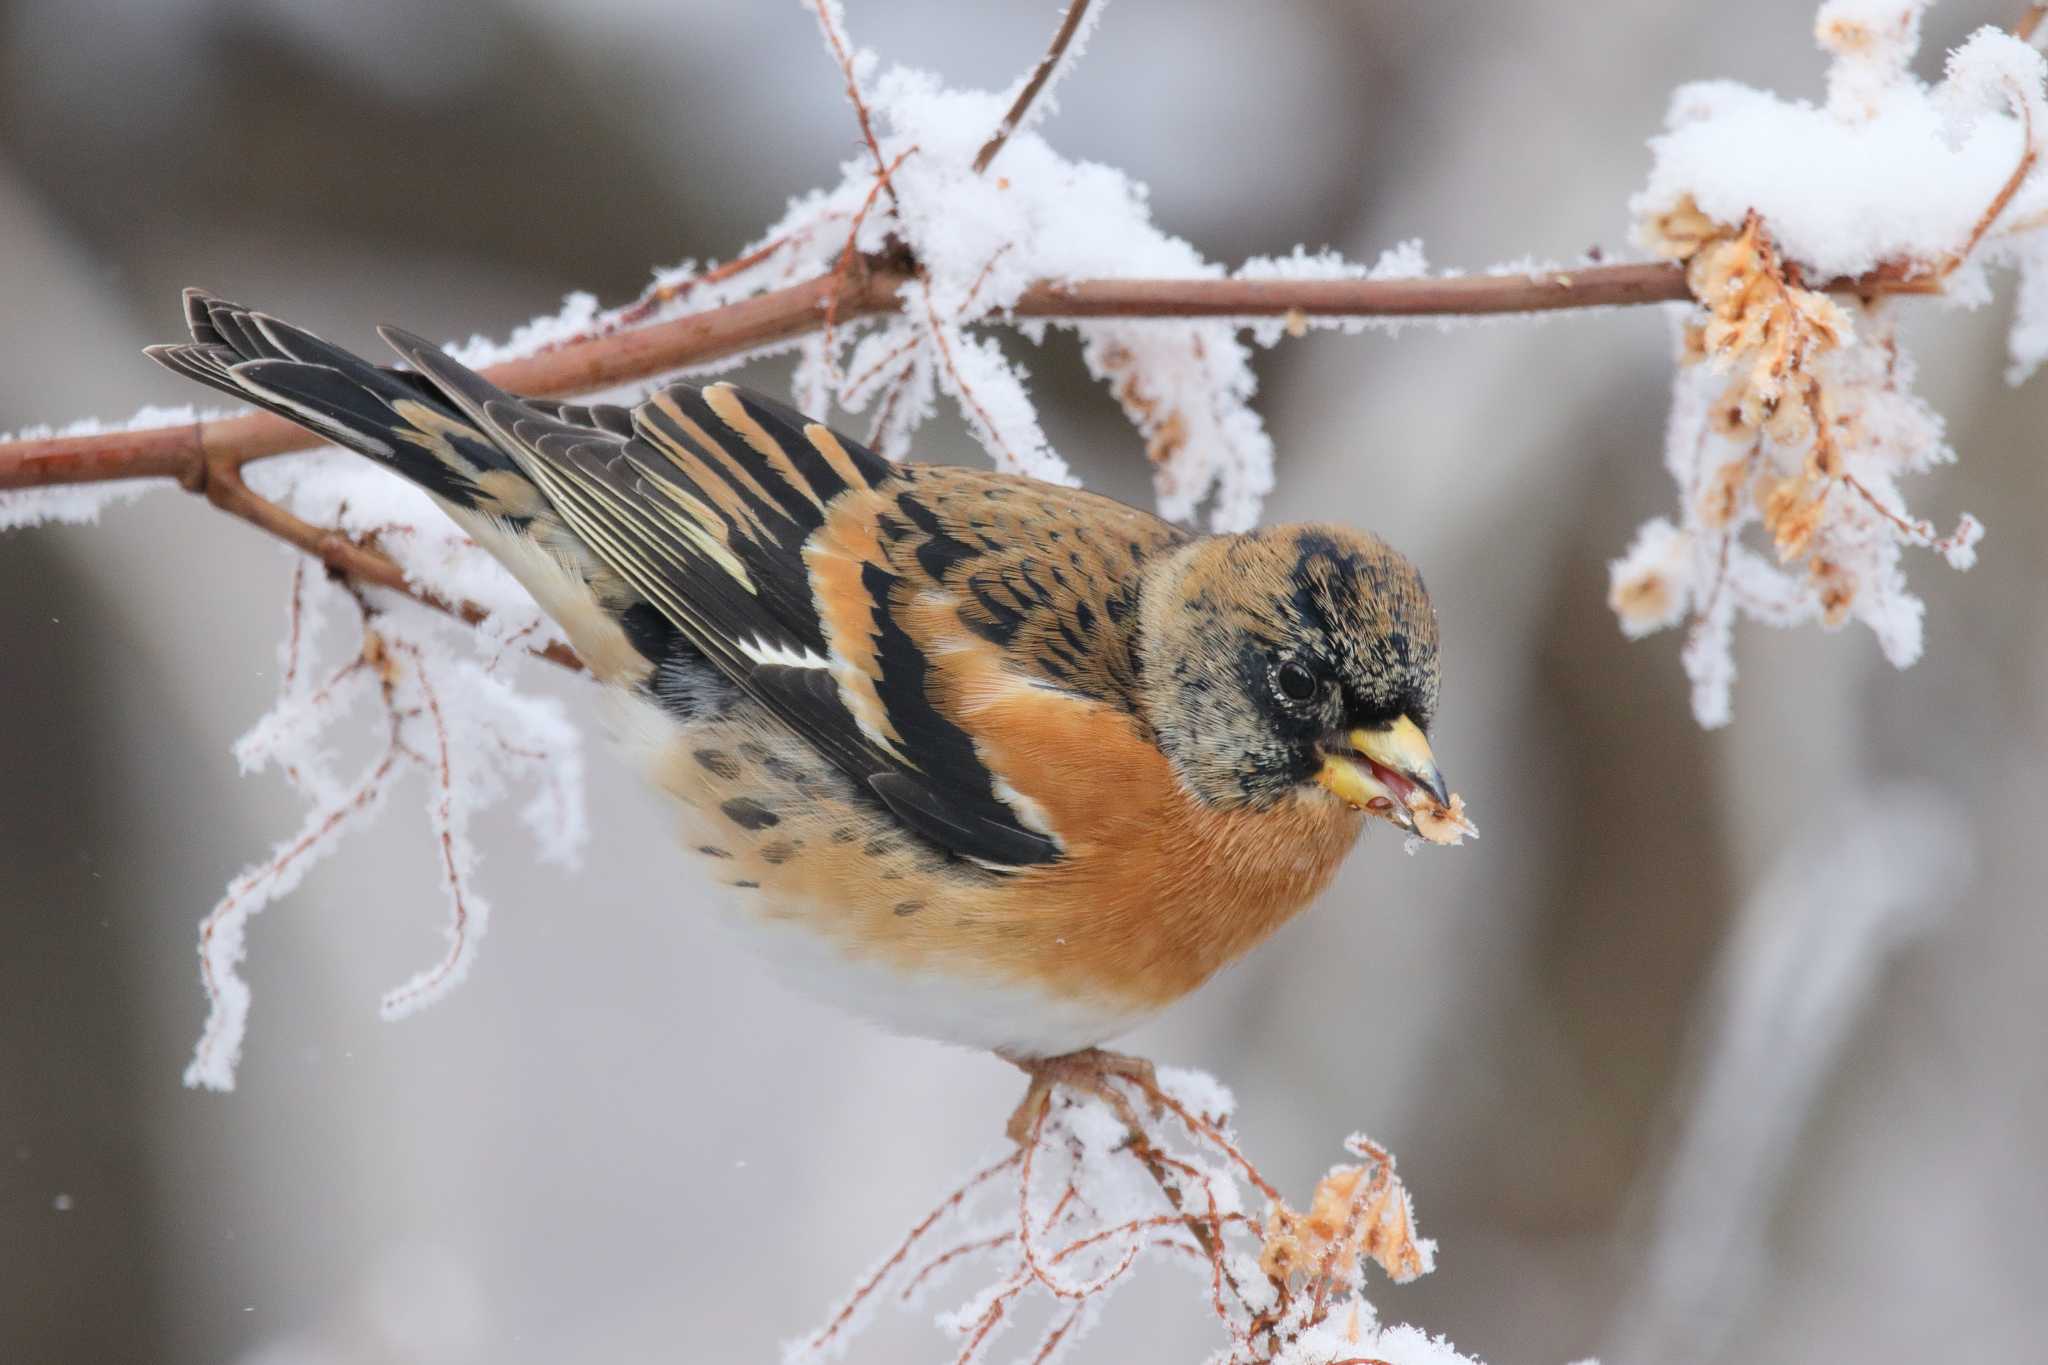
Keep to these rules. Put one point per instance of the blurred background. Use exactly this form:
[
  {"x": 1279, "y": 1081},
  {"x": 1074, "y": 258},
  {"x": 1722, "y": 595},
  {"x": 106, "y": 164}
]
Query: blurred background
[{"x": 1717, "y": 1046}]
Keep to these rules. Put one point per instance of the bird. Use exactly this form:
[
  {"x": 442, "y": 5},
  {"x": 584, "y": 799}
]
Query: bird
[{"x": 985, "y": 759}]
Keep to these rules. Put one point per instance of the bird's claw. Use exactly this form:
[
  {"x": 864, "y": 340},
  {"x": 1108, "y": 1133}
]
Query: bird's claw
[{"x": 1090, "y": 1072}]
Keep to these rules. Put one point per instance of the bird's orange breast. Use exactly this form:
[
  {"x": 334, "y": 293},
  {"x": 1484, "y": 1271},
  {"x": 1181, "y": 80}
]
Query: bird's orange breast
[{"x": 1157, "y": 890}]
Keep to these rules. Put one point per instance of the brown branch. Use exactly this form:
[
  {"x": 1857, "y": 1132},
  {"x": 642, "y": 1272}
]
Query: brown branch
[
  {"x": 219, "y": 478},
  {"x": 2028, "y": 22},
  {"x": 869, "y": 290},
  {"x": 207, "y": 457},
  {"x": 1070, "y": 24},
  {"x": 1463, "y": 295}
]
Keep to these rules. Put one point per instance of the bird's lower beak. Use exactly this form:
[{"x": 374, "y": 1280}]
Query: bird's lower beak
[{"x": 1378, "y": 770}]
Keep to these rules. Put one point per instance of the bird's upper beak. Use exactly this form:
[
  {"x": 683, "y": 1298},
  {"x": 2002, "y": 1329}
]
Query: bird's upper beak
[{"x": 1378, "y": 770}]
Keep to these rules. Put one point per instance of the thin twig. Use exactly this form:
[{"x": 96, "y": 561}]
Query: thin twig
[
  {"x": 850, "y": 256},
  {"x": 1070, "y": 24},
  {"x": 840, "y": 53},
  {"x": 2029, "y": 154}
]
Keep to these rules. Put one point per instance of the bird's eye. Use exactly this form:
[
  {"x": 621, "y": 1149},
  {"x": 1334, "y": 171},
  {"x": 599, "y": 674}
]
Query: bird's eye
[{"x": 1296, "y": 682}]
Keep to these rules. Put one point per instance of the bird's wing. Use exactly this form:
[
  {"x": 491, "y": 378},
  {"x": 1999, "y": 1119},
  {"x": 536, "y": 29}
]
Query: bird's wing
[
  {"x": 976, "y": 619},
  {"x": 810, "y": 571}
]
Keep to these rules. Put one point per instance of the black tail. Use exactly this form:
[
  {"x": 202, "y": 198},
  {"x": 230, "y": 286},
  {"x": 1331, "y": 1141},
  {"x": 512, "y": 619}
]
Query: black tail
[{"x": 400, "y": 418}]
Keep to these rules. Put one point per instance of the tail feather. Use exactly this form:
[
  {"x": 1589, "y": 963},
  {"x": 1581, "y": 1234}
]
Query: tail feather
[
  {"x": 401, "y": 419},
  {"x": 433, "y": 425}
]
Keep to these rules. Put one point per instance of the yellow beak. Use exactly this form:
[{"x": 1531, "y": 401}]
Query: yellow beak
[{"x": 1382, "y": 768}]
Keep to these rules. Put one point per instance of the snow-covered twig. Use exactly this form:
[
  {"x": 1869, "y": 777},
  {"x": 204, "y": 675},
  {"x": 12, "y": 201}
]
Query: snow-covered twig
[
  {"x": 466, "y": 753},
  {"x": 1149, "y": 1172}
]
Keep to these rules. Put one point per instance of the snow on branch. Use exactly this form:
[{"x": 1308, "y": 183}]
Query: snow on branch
[
  {"x": 1149, "y": 1173},
  {"x": 1794, "y": 411}
]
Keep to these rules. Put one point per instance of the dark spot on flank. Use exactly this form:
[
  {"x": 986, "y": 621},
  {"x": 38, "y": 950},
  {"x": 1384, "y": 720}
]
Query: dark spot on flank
[
  {"x": 718, "y": 763},
  {"x": 781, "y": 769},
  {"x": 894, "y": 874},
  {"x": 777, "y": 853},
  {"x": 876, "y": 848},
  {"x": 712, "y": 851},
  {"x": 909, "y": 907},
  {"x": 845, "y": 834},
  {"x": 748, "y": 886},
  {"x": 1084, "y": 617},
  {"x": 754, "y": 751},
  {"x": 749, "y": 814}
]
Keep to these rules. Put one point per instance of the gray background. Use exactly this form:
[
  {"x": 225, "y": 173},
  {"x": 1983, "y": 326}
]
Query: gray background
[{"x": 621, "y": 1141}]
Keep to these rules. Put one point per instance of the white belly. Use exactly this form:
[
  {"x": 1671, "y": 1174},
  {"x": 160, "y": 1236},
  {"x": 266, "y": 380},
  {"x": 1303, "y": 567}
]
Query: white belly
[{"x": 1002, "y": 1016}]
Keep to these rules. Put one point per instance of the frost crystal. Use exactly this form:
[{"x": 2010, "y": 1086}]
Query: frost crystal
[{"x": 1793, "y": 411}]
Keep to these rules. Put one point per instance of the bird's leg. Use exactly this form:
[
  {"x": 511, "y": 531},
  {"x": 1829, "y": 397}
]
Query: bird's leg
[{"x": 1089, "y": 1072}]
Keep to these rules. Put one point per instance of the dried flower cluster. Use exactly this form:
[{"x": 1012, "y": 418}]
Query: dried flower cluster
[
  {"x": 1792, "y": 411},
  {"x": 1150, "y": 1172}
]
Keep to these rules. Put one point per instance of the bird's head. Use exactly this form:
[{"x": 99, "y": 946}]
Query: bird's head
[{"x": 1294, "y": 660}]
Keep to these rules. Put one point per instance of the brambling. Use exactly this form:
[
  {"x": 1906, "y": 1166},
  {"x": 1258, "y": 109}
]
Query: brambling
[{"x": 986, "y": 759}]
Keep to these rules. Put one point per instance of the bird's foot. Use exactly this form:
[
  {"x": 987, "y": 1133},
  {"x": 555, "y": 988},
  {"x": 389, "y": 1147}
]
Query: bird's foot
[{"x": 1087, "y": 1072}]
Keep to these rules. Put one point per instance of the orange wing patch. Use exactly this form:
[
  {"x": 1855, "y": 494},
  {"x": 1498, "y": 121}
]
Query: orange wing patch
[
  {"x": 837, "y": 555},
  {"x": 723, "y": 400}
]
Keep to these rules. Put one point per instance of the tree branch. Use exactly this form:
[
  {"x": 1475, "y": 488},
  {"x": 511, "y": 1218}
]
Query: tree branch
[
  {"x": 869, "y": 289},
  {"x": 206, "y": 457}
]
